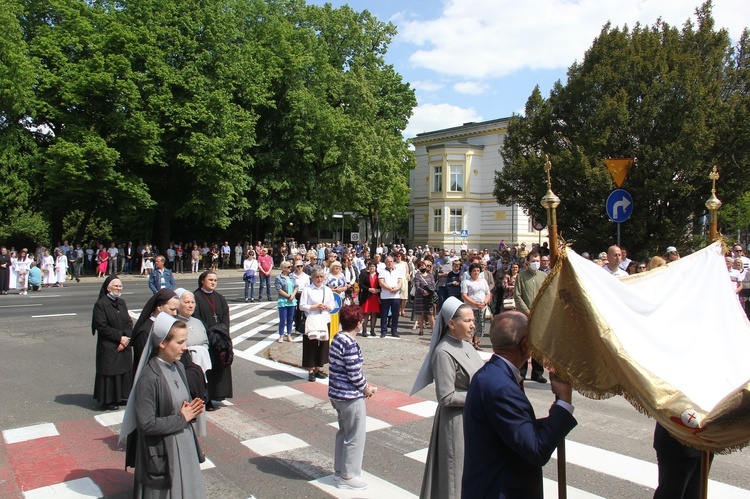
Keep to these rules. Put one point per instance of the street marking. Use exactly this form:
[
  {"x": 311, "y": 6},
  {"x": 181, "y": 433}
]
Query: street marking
[
  {"x": 24, "y": 305},
  {"x": 424, "y": 409},
  {"x": 73, "y": 489},
  {"x": 50, "y": 315},
  {"x": 222, "y": 403},
  {"x": 207, "y": 465},
  {"x": 248, "y": 310},
  {"x": 377, "y": 488},
  {"x": 371, "y": 424},
  {"x": 110, "y": 418},
  {"x": 29, "y": 433},
  {"x": 550, "y": 486},
  {"x": 279, "y": 391},
  {"x": 237, "y": 327},
  {"x": 273, "y": 444},
  {"x": 632, "y": 469},
  {"x": 418, "y": 455}
]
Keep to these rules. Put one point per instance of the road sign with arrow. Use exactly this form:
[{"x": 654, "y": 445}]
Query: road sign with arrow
[{"x": 619, "y": 205}]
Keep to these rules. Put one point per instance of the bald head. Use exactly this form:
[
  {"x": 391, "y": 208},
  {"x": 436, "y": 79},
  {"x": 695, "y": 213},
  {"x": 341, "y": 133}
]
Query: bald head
[
  {"x": 507, "y": 330},
  {"x": 614, "y": 257}
]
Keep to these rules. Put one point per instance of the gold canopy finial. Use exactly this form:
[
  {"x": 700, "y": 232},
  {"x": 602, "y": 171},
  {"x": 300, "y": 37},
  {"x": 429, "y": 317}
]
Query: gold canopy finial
[
  {"x": 550, "y": 200},
  {"x": 713, "y": 202}
]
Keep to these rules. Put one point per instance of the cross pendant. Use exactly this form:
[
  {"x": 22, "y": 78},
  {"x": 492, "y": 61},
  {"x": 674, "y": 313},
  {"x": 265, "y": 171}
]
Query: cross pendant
[{"x": 216, "y": 318}]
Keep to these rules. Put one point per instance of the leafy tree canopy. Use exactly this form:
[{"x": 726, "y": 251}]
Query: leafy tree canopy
[{"x": 672, "y": 98}]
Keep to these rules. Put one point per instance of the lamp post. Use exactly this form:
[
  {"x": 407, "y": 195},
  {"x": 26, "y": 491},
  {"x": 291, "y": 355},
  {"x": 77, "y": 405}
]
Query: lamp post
[{"x": 713, "y": 204}]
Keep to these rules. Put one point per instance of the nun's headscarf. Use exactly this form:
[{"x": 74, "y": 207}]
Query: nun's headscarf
[
  {"x": 203, "y": 277},
  {"x": 179, "y": 291},
  {"x": 102, "y": 293},
  {"x": 162, "y": 325},
  {"x": 425, "y": 376},
  {"x": 157, "y": 300}
]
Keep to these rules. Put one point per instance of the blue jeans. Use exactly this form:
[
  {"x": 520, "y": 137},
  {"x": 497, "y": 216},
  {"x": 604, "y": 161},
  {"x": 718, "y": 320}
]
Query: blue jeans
[
  {"x": 251, "y": 286},
  {"x": 394, "y": 305},
  {"x": 267, "y": 280},
  {"x": 286, "y": 318}
]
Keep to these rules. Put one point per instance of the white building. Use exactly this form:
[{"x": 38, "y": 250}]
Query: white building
[{"x": 451, "y": 190}]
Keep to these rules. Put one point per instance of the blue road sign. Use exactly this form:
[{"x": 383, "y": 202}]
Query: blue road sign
[
  {"x": 455, "y": 233},
  {"x": 464, "y": 232},
  {"x": 619, "y": 205}
]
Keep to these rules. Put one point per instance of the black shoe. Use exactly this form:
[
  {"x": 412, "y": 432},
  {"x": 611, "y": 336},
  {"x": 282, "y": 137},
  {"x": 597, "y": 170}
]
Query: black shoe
[
  {"x": 112, "y": 407},
  {"x": 538, "y": 378},
  {"x": 321, "y": 375},
  {"x": 311, "y": 377},
  {"x": 396, "y": 335},
  {"x": 383, "y": 335},
  {"x": 210, "y": 406},
  {"x": 373, "y": 335}
]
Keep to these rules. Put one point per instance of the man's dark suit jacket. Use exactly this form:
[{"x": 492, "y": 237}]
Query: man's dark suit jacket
[{"x": 505, "y": 445}]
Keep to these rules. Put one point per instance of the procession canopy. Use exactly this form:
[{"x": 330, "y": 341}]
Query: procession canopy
[{"x": 673, "y": 341}]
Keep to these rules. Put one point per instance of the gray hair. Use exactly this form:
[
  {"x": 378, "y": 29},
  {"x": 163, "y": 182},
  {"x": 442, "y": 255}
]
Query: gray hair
[
  {"x": 507, "y": 330},
  {"x": 317, "y": 270}
]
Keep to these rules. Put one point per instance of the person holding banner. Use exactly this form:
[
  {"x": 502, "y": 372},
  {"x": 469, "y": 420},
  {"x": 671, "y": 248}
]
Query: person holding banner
[{"x": 505, "y": 444}]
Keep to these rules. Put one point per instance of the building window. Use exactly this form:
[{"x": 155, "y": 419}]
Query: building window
[
  {"x": 437, "y": 220},
  {"x": 457, "y": 220},
  {"x": 437, "y": 177},
  {"x": 457, "y": 178}
]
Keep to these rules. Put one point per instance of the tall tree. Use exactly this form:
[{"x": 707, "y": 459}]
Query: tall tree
[{"x": 655, "y": 93}]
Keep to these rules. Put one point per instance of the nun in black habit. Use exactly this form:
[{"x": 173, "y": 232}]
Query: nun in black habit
[
  {"x": 111, "y": 320},
  {"x": 212, "y": 309},
  {"x": 145, "y": 323}
]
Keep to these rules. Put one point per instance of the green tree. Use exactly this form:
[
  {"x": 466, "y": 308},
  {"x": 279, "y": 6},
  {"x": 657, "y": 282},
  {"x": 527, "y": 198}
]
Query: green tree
[
  {"x": 656, "y": 93},
  {"x": 22, "y": 221},
  {"x": 330, "y": 137}
]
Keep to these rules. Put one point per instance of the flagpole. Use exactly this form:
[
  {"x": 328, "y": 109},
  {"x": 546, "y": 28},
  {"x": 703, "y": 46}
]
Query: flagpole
[
  {"x": 713, "y": 204},
  {"x": 550, "y": 202}
]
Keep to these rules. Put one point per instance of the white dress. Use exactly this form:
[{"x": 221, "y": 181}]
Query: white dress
[
  {"x": 13, "y": 278},
  {"x": 61, "y": 268},
  {"x": 48, "y": 271}
]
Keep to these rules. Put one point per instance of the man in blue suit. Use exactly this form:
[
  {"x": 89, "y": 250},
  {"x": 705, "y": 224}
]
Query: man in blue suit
[{"x": 505, "y": 444}]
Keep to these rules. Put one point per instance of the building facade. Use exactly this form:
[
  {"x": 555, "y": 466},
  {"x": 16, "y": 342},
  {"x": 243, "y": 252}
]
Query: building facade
[{"x": 451, "y": 190}]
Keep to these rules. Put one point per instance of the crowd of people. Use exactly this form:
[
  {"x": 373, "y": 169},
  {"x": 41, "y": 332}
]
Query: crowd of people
[{"x": 175, "y": 362}]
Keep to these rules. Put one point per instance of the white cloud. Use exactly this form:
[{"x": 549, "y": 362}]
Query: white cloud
[
  {"x": 470, "y": 87},
  {"x": 430, "y": 117},
  {"x": 495, "y": 38},
  {"x": 427, "y": 85}
]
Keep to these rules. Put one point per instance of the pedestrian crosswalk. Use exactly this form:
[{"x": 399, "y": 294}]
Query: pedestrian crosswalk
[{"x": 286, "y": 425}]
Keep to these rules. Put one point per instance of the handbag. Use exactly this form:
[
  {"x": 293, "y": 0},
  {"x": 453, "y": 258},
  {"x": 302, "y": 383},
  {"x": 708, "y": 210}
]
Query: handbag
[
  {"x": 316, "y": 327},
  {"x": 249, "y": 275}
]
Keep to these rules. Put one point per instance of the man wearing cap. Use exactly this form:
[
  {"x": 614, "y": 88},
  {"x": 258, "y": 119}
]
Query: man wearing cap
[{"x": 671, "y": 254}]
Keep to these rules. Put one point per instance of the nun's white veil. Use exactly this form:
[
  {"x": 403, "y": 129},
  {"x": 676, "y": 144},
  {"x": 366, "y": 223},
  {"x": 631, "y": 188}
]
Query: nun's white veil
[
  {"x": 425, "y": 376},
  {"x": 162, "y": 325}
]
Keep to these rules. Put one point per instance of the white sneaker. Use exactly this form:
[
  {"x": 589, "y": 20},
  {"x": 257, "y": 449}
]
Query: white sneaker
[{"x": 352, "y": 484}]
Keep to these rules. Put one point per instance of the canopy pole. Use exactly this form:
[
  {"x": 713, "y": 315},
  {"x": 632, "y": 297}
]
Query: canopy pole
[
  {"x": 550, "y": 202},
  {"x": 705, "y": 467}
]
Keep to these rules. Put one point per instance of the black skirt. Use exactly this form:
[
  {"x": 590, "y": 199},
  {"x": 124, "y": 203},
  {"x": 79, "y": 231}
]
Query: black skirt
[
  {"x": 314, "y": 352},
  {"x": 112, "y": 389}
]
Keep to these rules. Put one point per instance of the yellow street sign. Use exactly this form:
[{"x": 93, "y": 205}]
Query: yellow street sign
[{"x": 619, "y": 169}]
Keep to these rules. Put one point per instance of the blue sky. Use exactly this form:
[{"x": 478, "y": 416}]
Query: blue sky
[{"x": 475, "y": 60}]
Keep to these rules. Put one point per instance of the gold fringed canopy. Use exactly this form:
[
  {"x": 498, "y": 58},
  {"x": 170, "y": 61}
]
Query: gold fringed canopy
[{"x": 674, "y": 342}]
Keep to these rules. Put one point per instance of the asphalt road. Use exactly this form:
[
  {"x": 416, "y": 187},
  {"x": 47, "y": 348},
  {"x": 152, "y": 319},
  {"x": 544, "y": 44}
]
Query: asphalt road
[{"x": 47, "y": 374}]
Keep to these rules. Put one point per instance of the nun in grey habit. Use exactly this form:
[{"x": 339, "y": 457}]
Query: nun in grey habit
[
  {"x": 451, "y": 363},
  {"x": 167, "y": 455}
]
